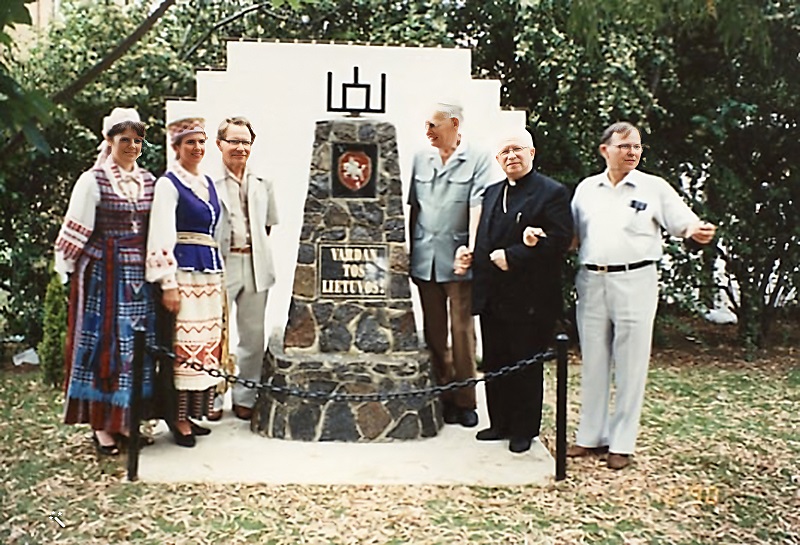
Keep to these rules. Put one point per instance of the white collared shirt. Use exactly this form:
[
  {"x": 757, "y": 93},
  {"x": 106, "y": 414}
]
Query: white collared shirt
[
  {"x": 237, "y": 193},
  {"x": 618, "y": 225}
]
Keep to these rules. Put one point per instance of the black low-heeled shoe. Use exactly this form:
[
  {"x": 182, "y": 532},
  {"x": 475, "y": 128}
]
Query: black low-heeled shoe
[
  {"x": 183, "y": 440},
  {"x": 198, "y": 429},
  {"x": 104, "y": 450},
  {"x": 490, "y": 434},
  {"x": 520, "y": 444},
  {"x": 468, "y": 418}
]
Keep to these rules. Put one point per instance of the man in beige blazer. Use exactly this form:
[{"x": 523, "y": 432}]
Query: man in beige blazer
[{"x": 248, "y": 213}]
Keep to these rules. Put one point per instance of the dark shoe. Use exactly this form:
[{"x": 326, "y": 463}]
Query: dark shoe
[
  {"x": 577, "y": 451},
  {"x": 198, "y": 430},
  {"x": 214, "y": 415},
  {"x": 450, "y": 414},
  {"x": 183, "y": 440},
  {"x": 468, "y": 418},
  {"x": 490, "y": 434},
  {"x": 104, "y": 450},
  {"x": 519, "y": 444},
  {"x": 618, "y": 461},
  {"x": 242, "y": 412}
]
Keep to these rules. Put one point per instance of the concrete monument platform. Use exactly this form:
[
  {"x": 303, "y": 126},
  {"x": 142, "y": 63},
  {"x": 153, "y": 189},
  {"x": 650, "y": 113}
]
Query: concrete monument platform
[{"x": 233, "y": 454}]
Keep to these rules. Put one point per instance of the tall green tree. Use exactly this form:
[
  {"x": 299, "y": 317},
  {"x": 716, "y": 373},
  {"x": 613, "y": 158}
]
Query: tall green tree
[
  {"x": 703, "y": 78},
  {"x": 715, "y": 88},
  {"x": 35, "y": 186},
  {"x": 108, "y": 55},
  {"x": 734, "y": 124}
]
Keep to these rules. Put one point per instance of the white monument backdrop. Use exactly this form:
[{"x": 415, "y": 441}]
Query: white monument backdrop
[{"x": 282, "y": 89}]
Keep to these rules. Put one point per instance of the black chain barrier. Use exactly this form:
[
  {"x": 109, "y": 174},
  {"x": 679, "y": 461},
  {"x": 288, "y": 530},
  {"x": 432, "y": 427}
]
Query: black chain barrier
[
  {"x": 560, "y": 354},
  {"x": 433, "y": 391}
]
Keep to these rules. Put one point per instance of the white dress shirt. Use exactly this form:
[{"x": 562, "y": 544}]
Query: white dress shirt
[{"x": 619, "y": 225}]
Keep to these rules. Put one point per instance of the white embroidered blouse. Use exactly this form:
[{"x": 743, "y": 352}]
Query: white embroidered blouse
[
  {"x": 79, "y": 221},
  {"x": 161, "y": 264}
]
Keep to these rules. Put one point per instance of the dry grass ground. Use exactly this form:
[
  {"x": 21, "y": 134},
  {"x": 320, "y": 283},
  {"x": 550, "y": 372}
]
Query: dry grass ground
[{"x": 718, "y": 462}]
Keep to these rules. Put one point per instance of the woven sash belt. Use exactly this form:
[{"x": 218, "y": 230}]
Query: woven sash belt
[{"x": 201, "y": 239}]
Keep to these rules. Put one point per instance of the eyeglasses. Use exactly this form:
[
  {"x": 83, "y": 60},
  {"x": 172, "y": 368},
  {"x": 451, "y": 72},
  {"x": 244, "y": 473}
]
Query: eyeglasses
[
  {"x": 628, "y": 147},
  {"x": 429, "y": 125},
  {"x": 237, "y": 143},
  {"x": 516, "y": 150}
]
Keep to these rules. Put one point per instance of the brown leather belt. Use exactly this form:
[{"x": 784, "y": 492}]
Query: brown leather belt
[
  {"x": 244, "y": 250},
  {"x": 618, "y": 268}
]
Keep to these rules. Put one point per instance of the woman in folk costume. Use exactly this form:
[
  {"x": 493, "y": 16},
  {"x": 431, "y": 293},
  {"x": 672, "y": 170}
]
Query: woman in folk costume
[
  {"x": 101, "y": 245},
  {"x": 183, "y": 258}
]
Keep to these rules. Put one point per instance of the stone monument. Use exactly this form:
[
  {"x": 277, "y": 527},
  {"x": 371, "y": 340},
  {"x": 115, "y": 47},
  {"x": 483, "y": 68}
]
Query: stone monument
[{"x": 351, "y": 326}]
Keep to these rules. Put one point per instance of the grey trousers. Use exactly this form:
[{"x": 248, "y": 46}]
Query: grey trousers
[
  {"x": 615, "y": 313},
  {"x": 249, "y": 307}
]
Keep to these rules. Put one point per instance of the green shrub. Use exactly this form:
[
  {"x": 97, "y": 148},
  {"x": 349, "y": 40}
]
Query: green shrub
[{"x": 51, "y": 348}]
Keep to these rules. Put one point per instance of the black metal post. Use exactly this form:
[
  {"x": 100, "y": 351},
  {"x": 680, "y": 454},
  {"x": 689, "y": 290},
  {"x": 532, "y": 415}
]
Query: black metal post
[
  {"x": 561, "y": 407},
  {"x": 139, "y": 348}
]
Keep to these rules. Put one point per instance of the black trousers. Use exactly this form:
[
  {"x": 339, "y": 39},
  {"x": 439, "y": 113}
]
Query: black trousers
[{"x": 514, "y": 400}]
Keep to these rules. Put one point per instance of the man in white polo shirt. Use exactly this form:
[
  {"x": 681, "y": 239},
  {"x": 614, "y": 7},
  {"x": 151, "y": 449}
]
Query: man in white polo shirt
[
  {"x": 619, "y": 215},
  {"x": 248, "y": 213}
]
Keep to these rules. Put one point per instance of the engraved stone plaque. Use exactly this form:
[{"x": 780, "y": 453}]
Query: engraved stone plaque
[{"x": 353, "y": 271}]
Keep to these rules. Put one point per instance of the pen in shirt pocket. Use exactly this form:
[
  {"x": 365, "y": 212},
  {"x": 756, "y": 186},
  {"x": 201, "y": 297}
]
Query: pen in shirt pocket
[{"x": 519, "y": 216}]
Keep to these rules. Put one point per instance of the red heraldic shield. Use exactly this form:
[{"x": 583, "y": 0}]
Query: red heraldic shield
[{"x": 355, "y": 169}]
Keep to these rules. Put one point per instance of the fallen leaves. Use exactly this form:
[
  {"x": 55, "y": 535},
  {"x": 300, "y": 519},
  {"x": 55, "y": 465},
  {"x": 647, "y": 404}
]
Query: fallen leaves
[{"x": 721, "y": 467}]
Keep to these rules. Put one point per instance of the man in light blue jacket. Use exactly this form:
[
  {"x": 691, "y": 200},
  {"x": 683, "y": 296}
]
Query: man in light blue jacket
[{"x": 447, "y": 183}]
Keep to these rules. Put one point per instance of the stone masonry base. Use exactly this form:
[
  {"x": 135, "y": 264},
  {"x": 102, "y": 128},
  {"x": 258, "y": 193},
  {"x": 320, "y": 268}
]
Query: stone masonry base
[{"x": 283, "y": 416}]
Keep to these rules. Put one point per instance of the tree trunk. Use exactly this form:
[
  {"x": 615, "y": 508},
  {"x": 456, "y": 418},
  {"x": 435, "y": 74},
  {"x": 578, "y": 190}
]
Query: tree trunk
[{"x": 749, "y": 317}]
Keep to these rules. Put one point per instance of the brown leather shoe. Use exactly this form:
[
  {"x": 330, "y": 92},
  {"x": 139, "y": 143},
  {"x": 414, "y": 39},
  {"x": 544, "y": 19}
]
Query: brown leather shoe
[
  {"x": 242, "y": 412},
  {"x": 618, "y": 461},
  {"x": 577, "y": 451},
  {"x": 214, "y": 415}
]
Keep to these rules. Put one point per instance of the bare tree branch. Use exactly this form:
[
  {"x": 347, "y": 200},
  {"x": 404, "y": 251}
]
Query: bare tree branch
[
  {"x": 228, "y": 20},
  {"x": 105, "y": 63}
]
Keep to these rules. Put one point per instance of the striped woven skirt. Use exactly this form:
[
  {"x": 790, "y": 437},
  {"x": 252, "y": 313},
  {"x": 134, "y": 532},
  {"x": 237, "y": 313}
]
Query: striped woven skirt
[
  {"x": 108, "y": 299},
  {"x": 199, "y": 339}
]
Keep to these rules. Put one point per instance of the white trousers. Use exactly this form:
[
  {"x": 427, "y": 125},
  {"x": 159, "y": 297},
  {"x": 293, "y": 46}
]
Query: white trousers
[
  {"x": 615, "y": 313},
  {"x": 249, "y": 307}
]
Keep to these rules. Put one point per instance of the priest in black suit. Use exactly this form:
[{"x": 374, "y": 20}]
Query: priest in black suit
[{"x": 524, "y": 231}]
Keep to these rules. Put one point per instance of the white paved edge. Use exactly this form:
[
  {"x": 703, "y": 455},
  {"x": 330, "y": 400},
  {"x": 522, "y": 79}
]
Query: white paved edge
[{"x": 234, "y": 454}]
